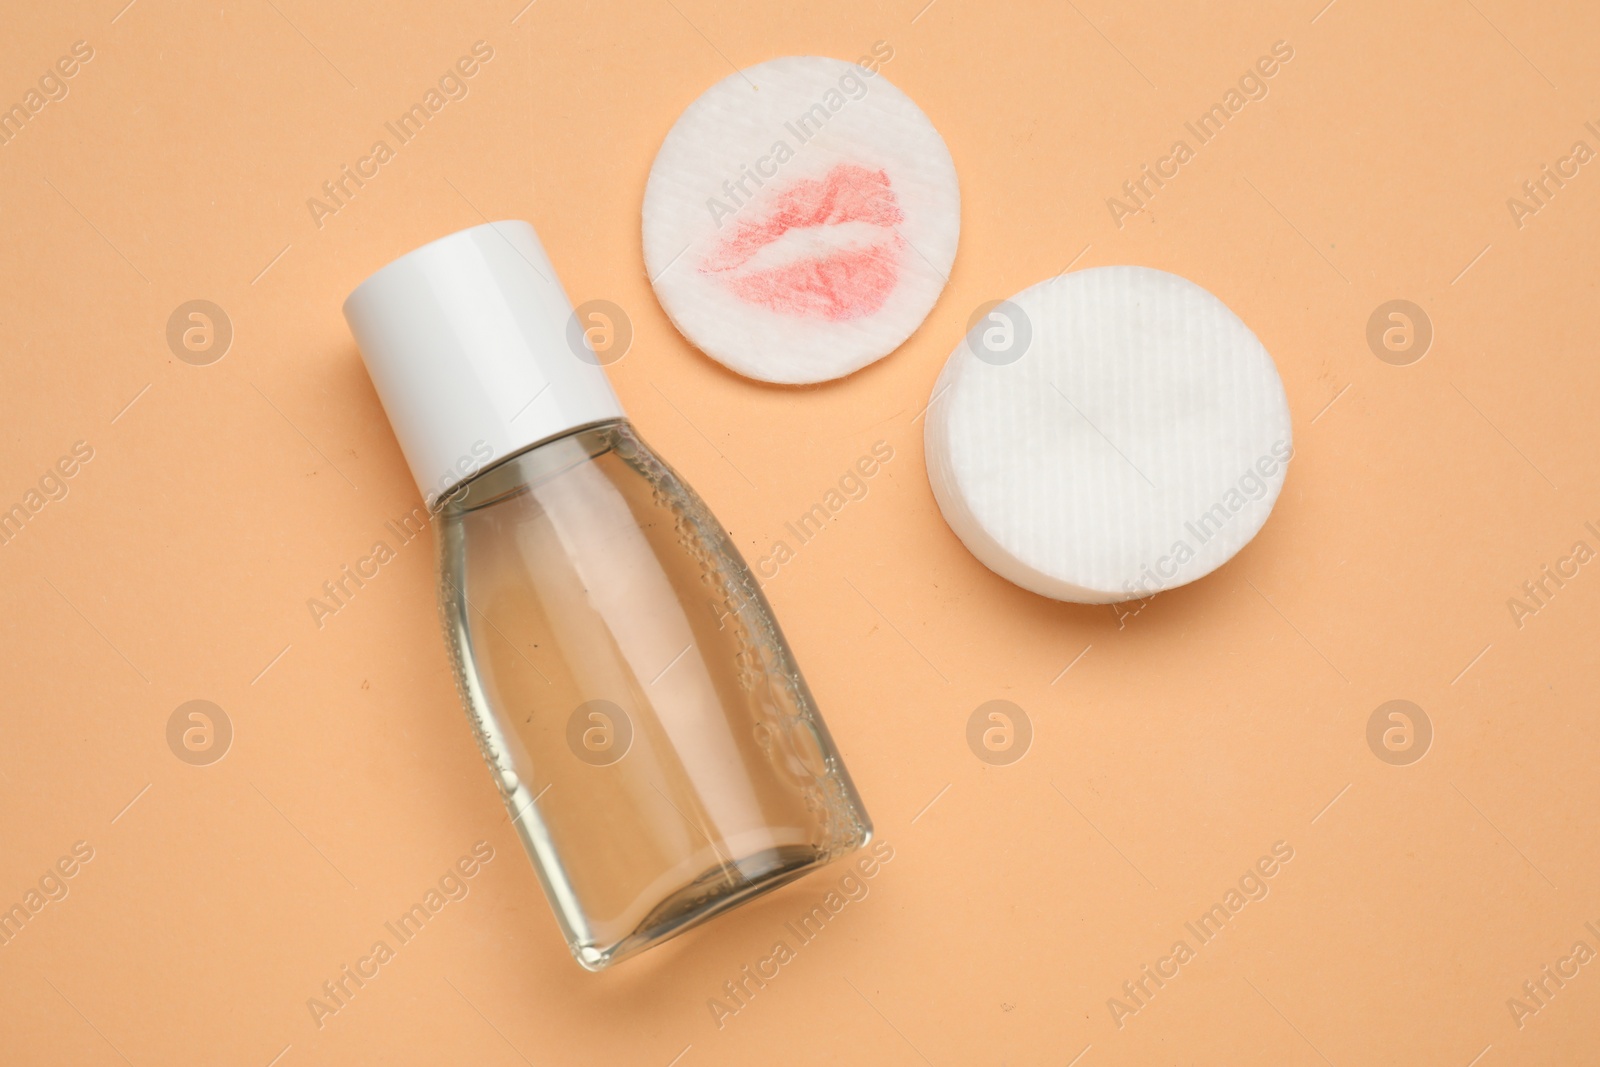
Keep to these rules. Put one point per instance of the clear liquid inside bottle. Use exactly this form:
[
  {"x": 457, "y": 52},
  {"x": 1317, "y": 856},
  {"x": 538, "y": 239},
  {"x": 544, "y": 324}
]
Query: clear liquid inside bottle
[{"x": 654, "y": 741}]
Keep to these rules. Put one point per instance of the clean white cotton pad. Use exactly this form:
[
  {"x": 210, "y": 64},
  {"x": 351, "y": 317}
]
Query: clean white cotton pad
[
  {"x": 1108, "y": 434},
  {"x": 800, "y": 219}
]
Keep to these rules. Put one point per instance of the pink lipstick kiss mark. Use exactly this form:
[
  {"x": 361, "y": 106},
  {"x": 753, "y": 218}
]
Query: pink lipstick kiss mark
[{"x": 843, "y": 280}]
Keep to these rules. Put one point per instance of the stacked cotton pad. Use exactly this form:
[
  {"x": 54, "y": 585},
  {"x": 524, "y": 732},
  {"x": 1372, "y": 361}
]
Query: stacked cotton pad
[
  {"x": 1107, "y": 435},
  {"x": 800, "y": 219}
]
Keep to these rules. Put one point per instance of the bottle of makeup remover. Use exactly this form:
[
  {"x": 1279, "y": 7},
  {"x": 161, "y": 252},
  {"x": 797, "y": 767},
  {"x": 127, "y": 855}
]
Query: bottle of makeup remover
[{"x": 639, "y": 709}]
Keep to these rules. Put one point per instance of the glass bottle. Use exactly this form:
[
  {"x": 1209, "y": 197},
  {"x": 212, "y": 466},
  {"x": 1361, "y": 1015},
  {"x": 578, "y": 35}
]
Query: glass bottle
[{"x": 638, "y": 707}]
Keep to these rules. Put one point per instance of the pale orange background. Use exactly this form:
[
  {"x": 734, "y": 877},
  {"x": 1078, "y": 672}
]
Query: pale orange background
[{"x": 1185, "y": 742}]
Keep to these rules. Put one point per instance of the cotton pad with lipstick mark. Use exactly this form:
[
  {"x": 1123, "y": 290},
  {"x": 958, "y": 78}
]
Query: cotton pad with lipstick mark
[
  {"x": 1107, "y": 435},
  {"x": 801, "y": 218}
]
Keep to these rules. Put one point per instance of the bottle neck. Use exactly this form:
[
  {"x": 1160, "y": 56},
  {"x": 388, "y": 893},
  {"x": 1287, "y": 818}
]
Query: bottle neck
[{"x": 557, "y": 453}]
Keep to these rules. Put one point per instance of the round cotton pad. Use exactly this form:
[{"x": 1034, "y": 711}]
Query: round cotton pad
[
  {"x": 1108, "y": 434},
  {"x": 800, "y": 219}
]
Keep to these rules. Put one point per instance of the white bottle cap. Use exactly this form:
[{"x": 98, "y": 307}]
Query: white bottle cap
[{"x": 473, "y": 348}]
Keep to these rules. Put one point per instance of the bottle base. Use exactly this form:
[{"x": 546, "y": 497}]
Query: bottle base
[{"x": 722, "y": 887}]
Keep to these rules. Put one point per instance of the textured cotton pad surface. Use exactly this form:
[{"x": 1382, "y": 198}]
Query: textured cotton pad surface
[
  {"x": 1108, "y": 434},
  {"x": 800, "y": 219}
]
